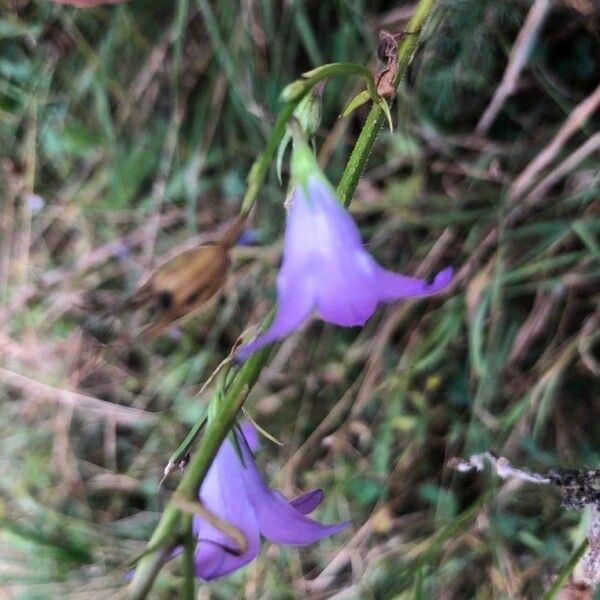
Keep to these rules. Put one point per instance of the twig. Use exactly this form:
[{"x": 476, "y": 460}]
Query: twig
[
  {"x": 591, "y": 561},
  {"x": 501, "y": 465},
  {"x": 196, "y": 508},
  {"x": 516, "y": 62},
  {"x": 522, "y": 205}
]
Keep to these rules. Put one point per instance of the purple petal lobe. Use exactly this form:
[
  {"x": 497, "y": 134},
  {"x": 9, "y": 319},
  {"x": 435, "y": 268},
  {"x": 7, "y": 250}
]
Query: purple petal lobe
[
  {"x": 280, "y": 522},
  {"x": 250, "y": 435},
  {"x": 234, "y": 490},
  {"x": 212, "y": 560},
  {"x": 344, "y": 270},
  {"x": 392, "y": 285},
  {"x": 277, "y": 519},
  {"x": 306, "y": 503},
  {"x": 294, "y": 306}
]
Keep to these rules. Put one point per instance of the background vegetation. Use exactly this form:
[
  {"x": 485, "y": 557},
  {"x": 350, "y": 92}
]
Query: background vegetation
[{"x": 126, "y": 134}]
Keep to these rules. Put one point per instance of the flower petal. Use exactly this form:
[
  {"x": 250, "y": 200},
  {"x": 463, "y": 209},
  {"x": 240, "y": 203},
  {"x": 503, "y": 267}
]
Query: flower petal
[
  {"x": 306, "y": 503},
  {"x": 343, "y": 230},
  {"x": 295, "y": 289},
  {"x": 282, "y": 523},
  {"x": 213, "y": 560},
  {"x": 250, "y": 435},
  {"x": 293, "y": 307},
  {"x": 392, "y": 285},
  {"x": 277, "y": 519},
  {"x": 345, "y": 293}
]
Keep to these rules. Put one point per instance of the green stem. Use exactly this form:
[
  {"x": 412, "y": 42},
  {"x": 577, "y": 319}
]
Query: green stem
[
  {"x": 360, "y": 155},
  {"x": 260, "y": 168},
  {"x": 149, "y": 566},
  {"x": 366, "y": 140},
  {"x": 296, "y": 89},
  {"x": 302, "y": 86},
  {"x": 237, "y": 392},
  {"x": 222, "y": 422},
  {"x": 189, "y": 548}
]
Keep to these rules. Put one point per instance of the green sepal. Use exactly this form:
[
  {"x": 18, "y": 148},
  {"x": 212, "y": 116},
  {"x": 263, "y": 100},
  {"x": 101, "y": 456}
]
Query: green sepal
[
  {"x": 303, "y": 162},
  {"x": 236, "y": 443},
  {"x": 357, "y": 101},
  {"x": 386, "y": 111},
  {"x": 294, "y": 90},
  {"x": 285, "y": 142}
]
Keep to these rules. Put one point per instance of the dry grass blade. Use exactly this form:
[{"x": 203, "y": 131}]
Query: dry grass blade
[
  {"x": 197, "y": 508},
  {"x": 89, "y": 406}
]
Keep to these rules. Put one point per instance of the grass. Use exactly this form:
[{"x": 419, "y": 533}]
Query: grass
[{"x": 127, "y": 134}]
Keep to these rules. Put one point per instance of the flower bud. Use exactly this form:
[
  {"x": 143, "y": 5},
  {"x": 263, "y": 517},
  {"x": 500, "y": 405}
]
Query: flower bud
[
  {"x": 308, "y": 111},
  {"x": 292, "y": 90}
]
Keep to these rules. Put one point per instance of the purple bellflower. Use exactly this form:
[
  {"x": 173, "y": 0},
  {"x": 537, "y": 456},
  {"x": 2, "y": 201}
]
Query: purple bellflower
[
  {"x": 325, "y": 266},
  {"x": 235, "y": 491}
]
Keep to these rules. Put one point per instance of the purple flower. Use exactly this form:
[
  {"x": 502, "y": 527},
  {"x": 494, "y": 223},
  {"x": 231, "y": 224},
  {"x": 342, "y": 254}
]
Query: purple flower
[
  {"x": 327, "y": 269},
  {"x": 234, "y": 490}
]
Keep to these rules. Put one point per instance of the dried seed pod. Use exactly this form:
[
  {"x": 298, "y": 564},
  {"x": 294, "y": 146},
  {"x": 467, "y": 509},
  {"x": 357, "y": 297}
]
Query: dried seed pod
[
  {"x": 182, "y": 285},
  {"x": 387, "y": 52}
]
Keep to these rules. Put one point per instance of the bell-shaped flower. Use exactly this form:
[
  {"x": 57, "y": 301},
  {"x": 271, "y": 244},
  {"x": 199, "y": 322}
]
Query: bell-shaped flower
[
  {"x": 326, "y": 269},
  {"x": 235, "y": 491}
]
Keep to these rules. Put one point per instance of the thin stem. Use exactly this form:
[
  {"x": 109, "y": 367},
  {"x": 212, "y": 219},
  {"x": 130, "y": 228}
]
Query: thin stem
[
  {"x": 366, "y": 140},
  {"x": 236, "y": 394},
  {"x": 309, "y": 79},
  {"x": 260, "y": 168},
  {"x": 189, "y": 547},
  {"x": 222, "y": 422},
  {"x": 151, "y": 564},
  {"x": 192, "y": 508},
  {"x": 360, "y": 155}
]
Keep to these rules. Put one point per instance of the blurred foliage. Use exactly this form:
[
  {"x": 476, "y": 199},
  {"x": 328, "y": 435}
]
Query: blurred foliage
[{"x": 126, "y": 134}]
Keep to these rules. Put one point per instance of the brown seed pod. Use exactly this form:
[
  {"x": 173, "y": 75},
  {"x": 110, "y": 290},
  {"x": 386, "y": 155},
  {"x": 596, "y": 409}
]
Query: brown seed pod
[
  {"x": 387, "y": 53},
  {"x": 182, "y": 285}
]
